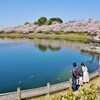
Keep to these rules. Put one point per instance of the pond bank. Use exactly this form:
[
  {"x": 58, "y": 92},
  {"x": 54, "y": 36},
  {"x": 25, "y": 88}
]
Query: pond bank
[{"x": 71, "y": 36}]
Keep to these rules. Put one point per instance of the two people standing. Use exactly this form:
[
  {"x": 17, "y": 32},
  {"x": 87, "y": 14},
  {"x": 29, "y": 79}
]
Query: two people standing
[{"x": 76, "y": 76}]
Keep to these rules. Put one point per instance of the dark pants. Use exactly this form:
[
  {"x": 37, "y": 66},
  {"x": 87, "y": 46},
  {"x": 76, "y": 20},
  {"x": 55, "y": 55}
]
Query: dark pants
[{"x": 74, "y": 85}]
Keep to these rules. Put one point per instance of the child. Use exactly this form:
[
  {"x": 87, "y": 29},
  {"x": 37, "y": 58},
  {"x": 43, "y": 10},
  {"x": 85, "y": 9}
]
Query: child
[{"x": 80, "y": 80}]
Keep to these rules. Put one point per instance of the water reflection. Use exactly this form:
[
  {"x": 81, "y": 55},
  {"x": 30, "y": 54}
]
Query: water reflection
[
  {"x": 44, "y": 44},
  {"x": 57, "y": 44},
  {"x": 44, "y": 48}
]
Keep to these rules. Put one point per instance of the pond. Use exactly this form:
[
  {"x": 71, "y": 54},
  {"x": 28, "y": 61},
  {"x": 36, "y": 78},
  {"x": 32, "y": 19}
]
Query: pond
[{"x": 34, "y": 63}]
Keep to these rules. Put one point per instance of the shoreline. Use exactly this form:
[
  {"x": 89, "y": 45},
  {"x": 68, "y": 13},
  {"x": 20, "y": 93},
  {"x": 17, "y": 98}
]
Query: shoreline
[{"x": 70, "y": 37}]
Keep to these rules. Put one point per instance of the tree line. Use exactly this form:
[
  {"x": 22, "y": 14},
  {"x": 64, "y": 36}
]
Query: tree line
[{"x": 44, "y": 21}]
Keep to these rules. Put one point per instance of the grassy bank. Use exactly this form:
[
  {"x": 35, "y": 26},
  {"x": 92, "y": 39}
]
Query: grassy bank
[
  {"x": 69, "y": 36},
  {"x": 90, "y": 88}
]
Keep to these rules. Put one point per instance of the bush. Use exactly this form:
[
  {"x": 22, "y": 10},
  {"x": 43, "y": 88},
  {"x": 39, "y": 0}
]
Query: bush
[
  {"x": 26, "y": 23},
  {"x": 31, "y": 31},
  {"x": 36, "y": 23},
  {"x": 82, "y": 94}
]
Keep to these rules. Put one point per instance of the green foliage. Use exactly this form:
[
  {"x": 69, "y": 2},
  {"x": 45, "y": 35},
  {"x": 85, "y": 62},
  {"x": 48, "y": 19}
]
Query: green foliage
[
  {"x": 49, "y": 22},
  {"x": 54, "y": 32},
  {"x": 31, "y": 31},
  {"x": 36, "y": 23},
  {"x": 26, "y": 23},
  {"x": 58, "y": 32},
  {"x": 89, "y": 94},
  {"x": 69, "y": 95},
  {"x": 42, "y": 21},
  {"x": 42, "y": 47},
  {"x": 83, "y": 94},
  {"x": 55, "y": 19},
  {"x": 39, "y": 32}
]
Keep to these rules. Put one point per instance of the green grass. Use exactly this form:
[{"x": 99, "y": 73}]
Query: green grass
[{"x": 81, "y": 37}]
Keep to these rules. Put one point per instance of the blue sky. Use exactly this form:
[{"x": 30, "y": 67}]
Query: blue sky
[{"x": 15, "y": 12}]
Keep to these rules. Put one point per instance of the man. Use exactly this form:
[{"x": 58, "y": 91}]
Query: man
[{"x": 76, "y": 75}]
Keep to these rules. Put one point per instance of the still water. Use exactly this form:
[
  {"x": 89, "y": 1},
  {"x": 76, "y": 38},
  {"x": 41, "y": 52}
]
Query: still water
[{"x": 34, "y": 63}]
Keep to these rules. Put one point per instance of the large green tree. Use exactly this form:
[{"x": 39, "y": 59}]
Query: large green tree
[
  {"x": 55, "y": 19},
  {"x": 42, "y": 21}
]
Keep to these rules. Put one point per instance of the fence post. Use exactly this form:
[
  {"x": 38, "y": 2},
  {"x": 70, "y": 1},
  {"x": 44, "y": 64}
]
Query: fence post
[
  {"x": 70, "y": 80},
  {"x": 18, "y": 93},
  {"x": 48, "y": 87}
]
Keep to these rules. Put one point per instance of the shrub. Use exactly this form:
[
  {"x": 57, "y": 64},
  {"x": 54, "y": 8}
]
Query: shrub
[
  {"x": 31, "y": 31},
  {"x": 36, "y": 23},
  {"x": 26, "y": 23},
  {"x": 82, "y": 94}
]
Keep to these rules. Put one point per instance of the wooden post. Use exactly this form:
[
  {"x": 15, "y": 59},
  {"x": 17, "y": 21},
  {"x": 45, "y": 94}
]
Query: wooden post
[
  {"x": 48, "y": 86},
  {"x": 18, "y": 93},
  {"x": 70, "y": 80}
]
